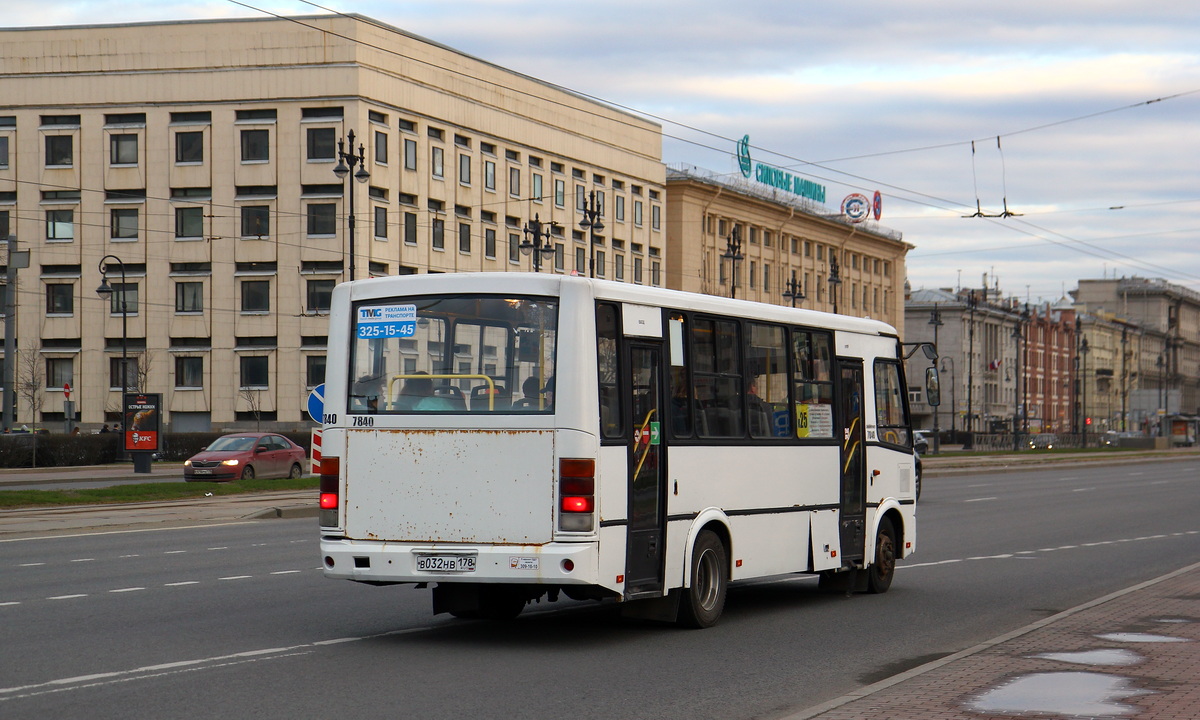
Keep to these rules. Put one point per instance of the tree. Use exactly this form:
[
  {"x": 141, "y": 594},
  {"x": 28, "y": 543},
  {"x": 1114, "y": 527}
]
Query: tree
[
  {"x": 253, "y": 399},
  {"x": 31, "y": 382}
]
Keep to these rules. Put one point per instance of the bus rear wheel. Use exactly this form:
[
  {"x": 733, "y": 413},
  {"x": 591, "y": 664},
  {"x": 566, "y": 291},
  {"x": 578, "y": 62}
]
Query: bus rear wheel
[
  {"x": 704, "y": 599},
  {"x": 881, "y": 572}
]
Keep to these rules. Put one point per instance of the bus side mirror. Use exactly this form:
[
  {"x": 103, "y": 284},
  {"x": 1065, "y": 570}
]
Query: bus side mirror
[{"x": 933, "y": 390}]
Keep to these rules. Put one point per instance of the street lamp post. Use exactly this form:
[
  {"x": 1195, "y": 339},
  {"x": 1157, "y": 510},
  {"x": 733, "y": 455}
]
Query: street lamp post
[
  {"x": 835, "y": 279},
  {"x": 733, "y": 253},
  {"x": 593, "y": 224},
  {"x": 346, "y": 163},
  {"x": 794, "y": 290},
  {"x": 953, "y": 394},
  {"x": 105, "y": 291},
  {"x": 534, "y": 235},
  {"x": 1018, "y": 397},
  {"x": 1083, "y": 418},
  {"x": 935, "y": 319},
  {"x": 972, "y": 303}
]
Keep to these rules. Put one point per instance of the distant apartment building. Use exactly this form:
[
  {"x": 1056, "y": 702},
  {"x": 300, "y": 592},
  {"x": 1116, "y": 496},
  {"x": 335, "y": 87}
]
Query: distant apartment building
[{"x": 198, "y": 159}]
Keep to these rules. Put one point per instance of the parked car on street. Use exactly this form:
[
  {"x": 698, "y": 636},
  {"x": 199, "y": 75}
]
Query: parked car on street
[{"x": 246, "y": 456}]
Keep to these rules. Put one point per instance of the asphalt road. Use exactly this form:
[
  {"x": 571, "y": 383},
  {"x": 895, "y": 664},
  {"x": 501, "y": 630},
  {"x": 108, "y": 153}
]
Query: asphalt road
[{"x": 236, "y": 620}]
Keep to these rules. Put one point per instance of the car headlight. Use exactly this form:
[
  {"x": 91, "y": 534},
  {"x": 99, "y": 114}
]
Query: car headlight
[
  {"x": 231, "y": 463},
  {"x": 187, "y": 463}
]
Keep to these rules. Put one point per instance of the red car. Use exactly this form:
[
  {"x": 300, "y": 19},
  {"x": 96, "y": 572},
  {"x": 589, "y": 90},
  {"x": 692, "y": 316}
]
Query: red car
[{"x": 246, "y": 456}]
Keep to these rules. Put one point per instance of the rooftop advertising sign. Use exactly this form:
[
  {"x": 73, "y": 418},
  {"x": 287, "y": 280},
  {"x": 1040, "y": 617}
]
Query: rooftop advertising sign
[{"x": 775, "y": 177}]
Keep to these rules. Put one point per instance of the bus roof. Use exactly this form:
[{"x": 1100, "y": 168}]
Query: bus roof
[{"x": 553, "y": 284}]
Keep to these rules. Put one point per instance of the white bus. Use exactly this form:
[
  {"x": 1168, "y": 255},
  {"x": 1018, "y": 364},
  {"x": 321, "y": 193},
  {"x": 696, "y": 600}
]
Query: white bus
[{"x": 509, "y": 436}]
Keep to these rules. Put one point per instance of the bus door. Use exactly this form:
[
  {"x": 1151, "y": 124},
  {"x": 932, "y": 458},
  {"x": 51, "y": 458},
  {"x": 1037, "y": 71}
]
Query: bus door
[
  {"x": 646, "y": 540},
  {"x": 853, "y": 515}
]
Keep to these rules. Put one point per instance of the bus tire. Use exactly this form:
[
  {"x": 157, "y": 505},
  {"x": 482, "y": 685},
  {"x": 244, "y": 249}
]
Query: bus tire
[
  {"x": 704, "y": 598},
  {"x": 881, "y": 572}
]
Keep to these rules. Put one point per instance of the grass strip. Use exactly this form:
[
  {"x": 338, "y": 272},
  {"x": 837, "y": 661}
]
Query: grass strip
[{"x": 147, "y": 492}]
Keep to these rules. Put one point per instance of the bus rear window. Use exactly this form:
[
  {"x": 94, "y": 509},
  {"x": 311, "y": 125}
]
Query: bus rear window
[{"x": 482, "y": 353}]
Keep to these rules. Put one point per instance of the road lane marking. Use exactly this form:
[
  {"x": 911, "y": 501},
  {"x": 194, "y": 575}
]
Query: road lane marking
[
  {"x": 986, "y": 499},
  {"x": 285, "y": 572},
  {"x": 1026, "y": 553},
  {"x": 67, "y": 597},
  {"x": 84, "y": 560},
  {"x": 129, "y": 589},
  {"x": 30, "y": 564},
  {"x": 11, "y": 602},
  {"x": 123, "y": 532},
  {"x": 179, "y": 584},
  {"x": 174, "y": 552},
  {"x": 236, "y": 577}
]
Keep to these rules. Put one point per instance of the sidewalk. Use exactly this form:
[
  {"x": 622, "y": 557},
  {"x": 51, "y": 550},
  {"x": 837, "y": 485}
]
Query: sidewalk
[{"x": 1135, "y": 653}]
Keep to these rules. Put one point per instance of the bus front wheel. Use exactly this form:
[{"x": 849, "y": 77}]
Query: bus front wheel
[
  {"x": 704, "y": 599},
  {"x": 881, "y": 572}
]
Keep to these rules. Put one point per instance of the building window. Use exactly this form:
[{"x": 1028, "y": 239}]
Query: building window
[
  {"x": 59, "y": 372},
  {"x": 255, "y": 371},
  {"x": 656, "y": 217},
  {"x": 381, "y": 223},
  {"x": 464, "y": 169},
  {"x": 123, "y": 149},
  {"x": 322, "y": 219},
  {"x": 619, "y": 266},
  {"x": 115, "y": 365},
  {"x": 256, "y": 296},
  {"x": 514, "y": 182},
  {"x": 256, "y": 145},
  {"x": 537, "y": 188},
  {"x": 60, "y": 299},
  {"x": 3, "y": 151},
  {"x": 619, "y": 208},
  {"x": 319, "y": 294},
  {"x": 489, "y": 174},
  {"x": 189, "y": 222},
  {"x": 438, "y": 163},
  {"x": 560, "y": 193},
  {"x": 60, "y": 224},
  {"x": 581, "y": 261},
  {"x": 189, "y": 147},
  {"x": 189, "y": 372},
  {"x": 60, "y": 150},
  {"x": 314, "y": 370},
  {"x": 637, "y": 271},
  {"x": 489, "y": 243},
  {"x": 410, "y": 228},
  {"x": 464, "y": 237},
  {"x": 514, "y": 248},
  {"x": 410, "y": 154},
  {"x": 127, "y": 292},
  {"x": 655, "y": 273},
  {"x": 322, "y": 143},
  {"x": 124, "y": 223},
  {"x": 637, "y": 213},
  {"x": 439, "y": 233},
  {"x": 381, "y": 148},
  {"x": 600, "y": 263},
  {"x": 256, "y": 221},
  {"x": 189, "y": 297}
]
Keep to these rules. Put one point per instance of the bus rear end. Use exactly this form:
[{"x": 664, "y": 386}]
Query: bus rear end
[{"x": 446, "y": 456}]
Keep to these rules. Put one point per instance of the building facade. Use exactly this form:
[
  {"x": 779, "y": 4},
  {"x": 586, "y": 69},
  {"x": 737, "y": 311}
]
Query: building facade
[
  {"x": 191, "y": 165},
  {"x": 789, "y": 250}
]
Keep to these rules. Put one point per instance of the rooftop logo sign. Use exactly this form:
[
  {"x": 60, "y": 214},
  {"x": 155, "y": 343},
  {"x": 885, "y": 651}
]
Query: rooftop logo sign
[{"x": 775, "y": 177}]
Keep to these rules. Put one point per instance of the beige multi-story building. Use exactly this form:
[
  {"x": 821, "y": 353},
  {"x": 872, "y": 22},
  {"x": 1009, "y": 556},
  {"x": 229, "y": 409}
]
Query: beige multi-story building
[
  {"x": 191, "y": 165},
  {"x": 740, "y": 238}
]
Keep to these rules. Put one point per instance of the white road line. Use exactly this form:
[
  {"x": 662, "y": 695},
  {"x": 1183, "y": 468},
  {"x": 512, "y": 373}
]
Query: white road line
[
  {"x": 66, "y": 597},
  {"x": 30, "y": 564},
  {"x": 236, "y": 577},
  {"x": 1025, "y": 553},
  {"x": 285, "y": 572},
  {"x": 219, "y": 548},
  {"x": 986, "y": 499},
  {"x": 180, "y": 584},
  {"x": 174, "y": 552},
  {"x": 84, "y": 560},
  {"x": 1091, "y": 489},
  {"x": 11, "y": 602},
  {"x": 129, "y": 589},
  {"x": 122, "y": 557},
  {"x": 123, "y": 532}
]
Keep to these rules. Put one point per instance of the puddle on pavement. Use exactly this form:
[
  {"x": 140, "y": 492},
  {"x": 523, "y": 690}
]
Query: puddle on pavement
[
  {"x": 1131, "y": 637},
  {"x": 1064, "y": 693},
  {"x": 1094, "y": 657}
]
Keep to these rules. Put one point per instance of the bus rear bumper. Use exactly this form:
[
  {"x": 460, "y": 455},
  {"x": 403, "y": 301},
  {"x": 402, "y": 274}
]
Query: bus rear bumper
[{"x": 393, "y": 562}]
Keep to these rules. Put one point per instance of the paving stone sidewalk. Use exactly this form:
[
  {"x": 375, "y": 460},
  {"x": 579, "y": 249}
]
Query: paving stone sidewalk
[{"x": 1132, "y": 654}]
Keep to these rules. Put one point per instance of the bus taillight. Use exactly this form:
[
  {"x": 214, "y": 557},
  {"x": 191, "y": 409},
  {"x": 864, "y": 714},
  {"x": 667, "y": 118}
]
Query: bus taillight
[
  {"x": 328, "y": 514},
  {"x": 577, "y": 494}
]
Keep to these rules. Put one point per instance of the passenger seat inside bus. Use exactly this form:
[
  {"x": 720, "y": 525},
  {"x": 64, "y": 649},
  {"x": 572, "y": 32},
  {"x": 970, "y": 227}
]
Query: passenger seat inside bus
[
  {"x": 451, "y": 393},
  {"x": 502, "y": 400}
]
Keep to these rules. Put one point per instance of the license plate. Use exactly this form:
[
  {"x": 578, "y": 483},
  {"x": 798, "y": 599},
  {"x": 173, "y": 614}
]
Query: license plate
[
  {"x": 446, "y": 563},
  {"x": 202, "y": 471}
]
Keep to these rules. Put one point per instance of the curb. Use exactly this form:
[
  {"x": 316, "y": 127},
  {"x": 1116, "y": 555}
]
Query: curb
[
  {"x": 286, "y": 512},
  {"x": 818, "y": 710}
]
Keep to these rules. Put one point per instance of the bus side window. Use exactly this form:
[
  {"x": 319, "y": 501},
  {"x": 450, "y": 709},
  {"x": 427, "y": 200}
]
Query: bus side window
[{"x": 608, "y": 372}]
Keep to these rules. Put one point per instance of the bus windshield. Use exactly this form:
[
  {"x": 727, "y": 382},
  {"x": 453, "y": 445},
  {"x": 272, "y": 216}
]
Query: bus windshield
[{"x": 453, "y": 354}]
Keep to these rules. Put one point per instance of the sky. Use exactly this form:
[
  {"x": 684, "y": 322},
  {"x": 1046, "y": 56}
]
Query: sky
[{"x": 1081, "y": 117}]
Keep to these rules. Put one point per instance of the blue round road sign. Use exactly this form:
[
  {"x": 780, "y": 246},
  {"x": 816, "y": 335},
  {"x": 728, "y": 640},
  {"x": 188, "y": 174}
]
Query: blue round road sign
[{"x": 316, "y": 403}]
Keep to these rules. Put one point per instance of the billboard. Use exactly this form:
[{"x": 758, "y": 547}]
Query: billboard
[{"x": 142, "y": 416}]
